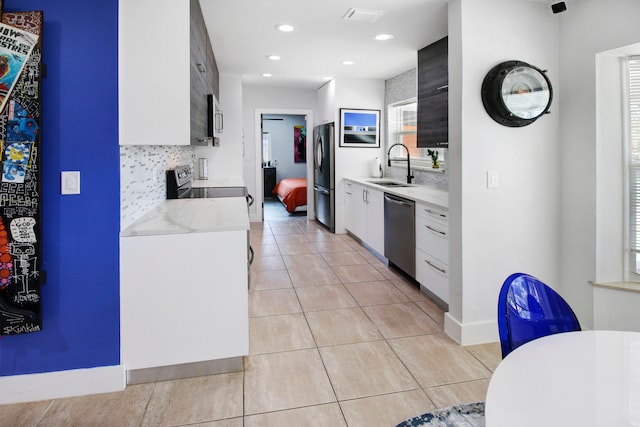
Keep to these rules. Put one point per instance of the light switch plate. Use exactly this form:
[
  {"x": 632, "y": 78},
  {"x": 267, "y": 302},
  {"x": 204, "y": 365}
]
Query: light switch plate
[
  {"x": 493, "y": 179},
  {"x": 70, "y": 182}
]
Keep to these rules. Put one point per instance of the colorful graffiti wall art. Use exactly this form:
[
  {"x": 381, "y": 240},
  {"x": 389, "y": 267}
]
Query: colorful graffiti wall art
[
  {"x": 299, "y": 144},
  {"x": 20, "y": 209}
]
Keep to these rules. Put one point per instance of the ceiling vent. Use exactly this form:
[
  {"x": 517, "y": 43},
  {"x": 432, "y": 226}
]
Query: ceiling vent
[{"x": 363, "y": 15}]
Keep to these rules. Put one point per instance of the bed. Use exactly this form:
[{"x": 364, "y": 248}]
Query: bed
[{"x": 292, "y": 192}]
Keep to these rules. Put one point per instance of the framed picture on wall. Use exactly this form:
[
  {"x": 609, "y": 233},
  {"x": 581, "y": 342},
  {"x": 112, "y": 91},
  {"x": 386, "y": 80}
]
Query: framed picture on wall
[{"x": 359, "y": 128}]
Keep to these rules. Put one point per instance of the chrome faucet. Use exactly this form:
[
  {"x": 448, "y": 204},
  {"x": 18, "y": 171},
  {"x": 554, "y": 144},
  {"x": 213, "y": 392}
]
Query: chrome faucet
[{"x": 409, "y": 176}]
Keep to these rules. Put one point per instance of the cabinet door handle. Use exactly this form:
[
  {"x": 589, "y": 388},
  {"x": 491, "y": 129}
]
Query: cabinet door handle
[
  {"x": 435, "y": 268},
  {"x": 348, "y": 192},
  {"x": 435, "y": 213},
  {"x": 436, "y": 231},
  {"x": 443, "y": 87}
]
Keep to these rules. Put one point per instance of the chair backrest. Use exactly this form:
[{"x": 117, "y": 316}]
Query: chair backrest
[{"x": 529, "y": 309}]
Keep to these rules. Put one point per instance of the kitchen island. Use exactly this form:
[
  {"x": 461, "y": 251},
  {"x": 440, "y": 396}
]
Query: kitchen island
[{"x": 184, "y": 290}]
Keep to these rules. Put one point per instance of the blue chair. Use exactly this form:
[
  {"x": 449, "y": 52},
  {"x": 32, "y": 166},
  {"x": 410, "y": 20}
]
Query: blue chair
[{"x": 529, "y": 309}]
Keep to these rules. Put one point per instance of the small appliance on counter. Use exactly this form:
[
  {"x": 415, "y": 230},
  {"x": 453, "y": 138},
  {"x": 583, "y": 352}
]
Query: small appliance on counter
[
  {"x": 376, "y": 168},
  {"x": 203, "y": 168}
]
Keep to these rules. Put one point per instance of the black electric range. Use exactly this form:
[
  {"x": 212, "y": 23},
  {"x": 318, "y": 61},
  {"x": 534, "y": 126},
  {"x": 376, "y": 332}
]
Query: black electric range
[{"x": 180, "y": 186}]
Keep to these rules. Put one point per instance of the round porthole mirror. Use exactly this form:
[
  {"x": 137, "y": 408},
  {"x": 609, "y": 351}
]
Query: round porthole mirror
[{"x": 516, "y": 94}]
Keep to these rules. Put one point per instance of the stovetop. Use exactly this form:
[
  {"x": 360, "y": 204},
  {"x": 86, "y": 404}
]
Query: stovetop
[{"x": 180, "y": 186}]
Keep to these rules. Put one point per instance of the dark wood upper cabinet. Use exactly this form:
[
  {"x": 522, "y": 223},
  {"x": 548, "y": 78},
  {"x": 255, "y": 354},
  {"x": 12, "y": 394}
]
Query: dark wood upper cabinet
[
  {"x": 433, "y": 96},
  {"x": 204, "y": 75}
]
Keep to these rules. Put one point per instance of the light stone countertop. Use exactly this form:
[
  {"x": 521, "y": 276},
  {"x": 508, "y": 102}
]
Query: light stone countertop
[
  {"x": 192, "y": 216},
  {"x": 417, "y": 193}
]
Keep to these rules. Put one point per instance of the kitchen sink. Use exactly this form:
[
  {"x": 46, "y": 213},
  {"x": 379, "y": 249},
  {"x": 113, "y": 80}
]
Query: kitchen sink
[{"x": 390, "y": 183}]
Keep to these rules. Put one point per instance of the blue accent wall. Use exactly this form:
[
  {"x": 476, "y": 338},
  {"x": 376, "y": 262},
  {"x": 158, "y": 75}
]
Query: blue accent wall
[{"x": 80, "y": 301}]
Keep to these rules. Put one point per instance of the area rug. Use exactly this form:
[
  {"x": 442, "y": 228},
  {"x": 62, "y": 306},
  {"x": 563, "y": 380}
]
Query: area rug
[{"x": 468, "y": 415}]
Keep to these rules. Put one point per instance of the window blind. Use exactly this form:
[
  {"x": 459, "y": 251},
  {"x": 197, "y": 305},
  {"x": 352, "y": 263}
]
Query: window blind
[{"x": 634, "y": 160}]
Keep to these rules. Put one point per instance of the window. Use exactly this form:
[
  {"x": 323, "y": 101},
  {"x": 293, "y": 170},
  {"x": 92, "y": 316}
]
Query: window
[
  {"x": 633, "y": 163},
  {"x": 266, "y": 148},
  {"x": 403, "y": 120}
]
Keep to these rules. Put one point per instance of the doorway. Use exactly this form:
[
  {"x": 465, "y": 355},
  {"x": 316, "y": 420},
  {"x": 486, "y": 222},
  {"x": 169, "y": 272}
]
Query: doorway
[{"x": 280, "y": 154}]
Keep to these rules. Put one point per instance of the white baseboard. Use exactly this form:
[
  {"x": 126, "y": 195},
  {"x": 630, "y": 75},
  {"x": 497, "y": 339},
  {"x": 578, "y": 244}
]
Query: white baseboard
[
  {"x": 471, "y": 333},
  {"x": 59, "y": 384}
]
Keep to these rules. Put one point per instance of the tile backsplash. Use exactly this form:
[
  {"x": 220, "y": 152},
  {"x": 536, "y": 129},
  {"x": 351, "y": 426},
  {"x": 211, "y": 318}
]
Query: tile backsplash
[
  {"x": 142, "y": 177},
  {"x": 437, "y": 180}
]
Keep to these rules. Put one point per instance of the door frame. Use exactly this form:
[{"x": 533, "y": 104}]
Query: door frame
[{"x": 258, "y": 156}]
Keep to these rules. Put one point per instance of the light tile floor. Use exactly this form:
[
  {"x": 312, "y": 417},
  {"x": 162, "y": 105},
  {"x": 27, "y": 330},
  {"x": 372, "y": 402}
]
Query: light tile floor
[{"x": 337, "y": 338}]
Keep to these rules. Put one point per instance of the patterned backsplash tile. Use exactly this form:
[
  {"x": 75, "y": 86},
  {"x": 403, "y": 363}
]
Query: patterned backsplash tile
[{"x": 142, "y": 177}]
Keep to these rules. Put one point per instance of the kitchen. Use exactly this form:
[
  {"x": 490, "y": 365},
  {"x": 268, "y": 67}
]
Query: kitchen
[{"x": 487, "y": 216}]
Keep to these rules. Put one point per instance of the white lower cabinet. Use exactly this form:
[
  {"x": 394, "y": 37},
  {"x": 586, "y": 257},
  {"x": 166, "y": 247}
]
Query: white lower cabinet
[
  {"x": 432, "y": 250},
  {"x": 355, "y": 209},
  {"x": 364, "y": 214},
  {"x": 184, "y": 298}
]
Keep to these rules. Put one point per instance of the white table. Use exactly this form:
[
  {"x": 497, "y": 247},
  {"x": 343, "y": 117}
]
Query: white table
[{"x": 588, "y": 378}]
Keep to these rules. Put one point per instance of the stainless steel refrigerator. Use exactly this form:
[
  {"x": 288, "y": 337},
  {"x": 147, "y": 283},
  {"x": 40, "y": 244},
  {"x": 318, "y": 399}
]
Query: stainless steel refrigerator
[{"x": 323, "y": 174}]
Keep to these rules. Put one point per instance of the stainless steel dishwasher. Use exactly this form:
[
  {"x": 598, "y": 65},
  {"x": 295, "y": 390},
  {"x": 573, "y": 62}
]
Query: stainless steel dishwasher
[{"x": 400, "y": 233}]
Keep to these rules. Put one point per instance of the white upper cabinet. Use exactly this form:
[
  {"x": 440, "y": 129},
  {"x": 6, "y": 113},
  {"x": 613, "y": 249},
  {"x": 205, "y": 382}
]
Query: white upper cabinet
[{"x": 153, "y": 72}]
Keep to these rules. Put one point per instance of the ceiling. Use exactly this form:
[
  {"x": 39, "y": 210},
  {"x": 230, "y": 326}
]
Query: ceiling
[{"x": 243, "y": 35}]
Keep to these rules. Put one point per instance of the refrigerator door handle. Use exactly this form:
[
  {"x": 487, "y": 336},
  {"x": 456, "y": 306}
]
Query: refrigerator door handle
[
  {"x": 319, "y": 153},
  {"x": 320, "y": 190}
]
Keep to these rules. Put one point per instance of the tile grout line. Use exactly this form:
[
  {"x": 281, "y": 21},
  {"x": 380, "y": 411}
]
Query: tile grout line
[{"x": 391, "y": 280}]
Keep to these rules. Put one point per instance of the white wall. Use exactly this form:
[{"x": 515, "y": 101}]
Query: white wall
[
  {"x": 350, "y": 161},
  {"x": 226, "y": 159},
  {"x": 587, "y": 28},
  {"x": 496, "y": 232}
]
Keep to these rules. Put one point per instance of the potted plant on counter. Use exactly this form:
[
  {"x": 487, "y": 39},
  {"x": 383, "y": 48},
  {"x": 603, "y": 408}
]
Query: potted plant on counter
[{"x": 434, "y": 158}]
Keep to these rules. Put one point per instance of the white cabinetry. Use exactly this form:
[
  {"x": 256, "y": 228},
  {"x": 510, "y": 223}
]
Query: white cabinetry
[
  {"x": 432, "y": 249},
  {"x": 364, "y": 214},
  {"x": 184, "y": 298},
  {"x": 154, "y": 94}
]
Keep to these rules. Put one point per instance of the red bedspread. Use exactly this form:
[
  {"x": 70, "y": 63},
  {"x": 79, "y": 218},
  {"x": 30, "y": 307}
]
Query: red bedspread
[{"x": 292, "y": 192}]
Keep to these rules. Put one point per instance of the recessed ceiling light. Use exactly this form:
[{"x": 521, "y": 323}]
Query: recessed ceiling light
[
  {"x": 267, "y": 74},
  {"x": 286, "y": 28},
  {"x": 383, "y": 37},
  {"x": 273, "y": 57},
  {"x": 348, "y": 63}
]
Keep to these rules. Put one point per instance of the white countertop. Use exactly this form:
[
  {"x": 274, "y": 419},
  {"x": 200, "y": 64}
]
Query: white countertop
[
  {"x": 192, "y": 216},
  {"x": 417, "y": 193},
  {"x": 230, "y": 181}
]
